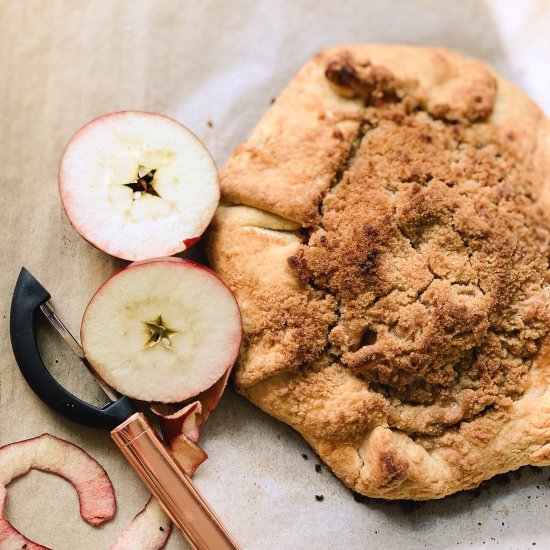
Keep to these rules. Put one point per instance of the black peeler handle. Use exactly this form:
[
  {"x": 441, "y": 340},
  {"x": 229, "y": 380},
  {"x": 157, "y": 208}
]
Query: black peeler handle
[{"x": 28, "y": 296}]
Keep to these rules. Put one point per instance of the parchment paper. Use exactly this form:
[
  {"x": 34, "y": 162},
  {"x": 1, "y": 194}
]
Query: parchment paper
[{"x": 65, "y": 62}]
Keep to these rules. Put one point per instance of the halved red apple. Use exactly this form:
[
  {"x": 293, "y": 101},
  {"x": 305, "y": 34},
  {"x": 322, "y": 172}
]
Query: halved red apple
[
  {"x": 162, "y": 330},
  {"x": 138, "y": 185}
]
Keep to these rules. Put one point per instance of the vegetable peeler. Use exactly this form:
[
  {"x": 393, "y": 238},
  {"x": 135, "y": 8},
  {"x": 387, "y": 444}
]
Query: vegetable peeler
[{"x": 130, "y": 429}]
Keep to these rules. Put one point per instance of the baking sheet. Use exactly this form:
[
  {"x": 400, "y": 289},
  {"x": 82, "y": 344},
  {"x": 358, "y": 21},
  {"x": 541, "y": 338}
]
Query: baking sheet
[{"x": 215, "y": 66}]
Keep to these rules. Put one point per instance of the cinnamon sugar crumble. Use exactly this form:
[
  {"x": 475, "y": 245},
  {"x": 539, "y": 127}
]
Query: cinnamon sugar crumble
[{"x": 433, "y": 257}]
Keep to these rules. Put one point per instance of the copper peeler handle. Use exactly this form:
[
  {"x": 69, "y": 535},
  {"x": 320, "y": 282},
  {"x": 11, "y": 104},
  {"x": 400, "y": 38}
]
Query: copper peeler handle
[{"x": 172, "y": 487}]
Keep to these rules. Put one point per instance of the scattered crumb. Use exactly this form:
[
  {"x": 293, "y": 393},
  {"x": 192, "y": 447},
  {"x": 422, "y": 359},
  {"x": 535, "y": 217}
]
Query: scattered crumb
[
  {"x": 273, "y": 99},
  {"x": 210, "y": 123},
  {"x": 478, "y": 523},
  {"x": 318, "y": 468},
  {"x": 161, "y": 528},
  {"x": 319, "y": 498},
  {"x": 304, "y": 456}
]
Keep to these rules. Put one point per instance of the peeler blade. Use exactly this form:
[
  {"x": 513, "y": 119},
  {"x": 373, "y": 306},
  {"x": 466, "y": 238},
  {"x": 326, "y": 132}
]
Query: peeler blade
[
  {"x": 50, "y": 314},
  {"x": 62, "y": 330}
]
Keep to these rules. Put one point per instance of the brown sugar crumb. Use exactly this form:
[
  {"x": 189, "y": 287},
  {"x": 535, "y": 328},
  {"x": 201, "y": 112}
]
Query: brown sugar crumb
[
  {"x": 210, "y": 123},
  {"x": 319, "y": 498},
  {"x": 429, "y": 239},
  {"x": 304, "y": 456},
  {"x": 318, "y": 468}
]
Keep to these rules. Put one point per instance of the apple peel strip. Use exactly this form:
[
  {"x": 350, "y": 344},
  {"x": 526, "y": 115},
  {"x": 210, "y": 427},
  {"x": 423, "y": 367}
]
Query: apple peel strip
[
  {"x": 189, "y": 419},
  {"x": 149, "y": 530},
  {"x": 51, "y": 454}
]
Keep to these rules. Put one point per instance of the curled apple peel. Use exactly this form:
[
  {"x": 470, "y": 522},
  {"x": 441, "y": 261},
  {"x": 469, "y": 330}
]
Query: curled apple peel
[
  {"x": 51, "y": 454},
  {"x": 176, "y": 419}
]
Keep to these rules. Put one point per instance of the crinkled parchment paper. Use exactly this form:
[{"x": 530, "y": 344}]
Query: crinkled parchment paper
[{"x": 215, "y": 66}]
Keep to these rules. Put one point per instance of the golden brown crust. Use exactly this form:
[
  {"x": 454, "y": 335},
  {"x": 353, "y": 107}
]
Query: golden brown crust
[{"x": 393, "y": 272}]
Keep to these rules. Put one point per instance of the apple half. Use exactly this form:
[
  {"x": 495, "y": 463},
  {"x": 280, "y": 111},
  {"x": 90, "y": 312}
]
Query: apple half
[
  {"x": 162, "y": 330},
  {"x": 138, "y": 185}
]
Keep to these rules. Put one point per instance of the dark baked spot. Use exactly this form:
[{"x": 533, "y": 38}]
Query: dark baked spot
[
  {"x": 392, "y": 466},
  {"x": 373, "y": 82},
  {"x": 434, "y": 257}
]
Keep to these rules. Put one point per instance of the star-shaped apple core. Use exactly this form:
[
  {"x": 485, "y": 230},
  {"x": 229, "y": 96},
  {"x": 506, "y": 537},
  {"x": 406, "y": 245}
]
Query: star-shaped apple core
[
  {"x": 143, "y": 183},
  {"x": 159, "y": 333}
]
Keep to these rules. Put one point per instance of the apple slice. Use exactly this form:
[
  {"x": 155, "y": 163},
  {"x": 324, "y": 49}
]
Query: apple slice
[
  {"x": 138, "y": 185},
  {"x": 50, "y": 454},
  {"x": 162, "y": 330},
  {"x": 149, "y": 530}
]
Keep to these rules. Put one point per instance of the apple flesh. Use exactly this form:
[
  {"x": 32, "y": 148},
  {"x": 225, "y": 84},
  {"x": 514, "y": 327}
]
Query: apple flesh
[
  {"x": 138, "y": 185},
  {"x": 149, "y": 530},
  {"x": 162, "y": 330},
  {"x": 50, "y": 454}
]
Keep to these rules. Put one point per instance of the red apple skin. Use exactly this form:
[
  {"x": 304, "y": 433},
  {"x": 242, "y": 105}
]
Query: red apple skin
[
  {"x": 172, "y": 421},
  {"x": 188, "y": 454},
  {"x": 187, "y": 243},
  {"x": 214, "y": 397},
  {"x": 96, "y": 496},
  {"x": 175, "y": 423}
]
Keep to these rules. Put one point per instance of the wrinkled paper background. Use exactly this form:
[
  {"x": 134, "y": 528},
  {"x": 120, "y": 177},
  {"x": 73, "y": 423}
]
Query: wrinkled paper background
[{"x": 64, "y": 62}]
